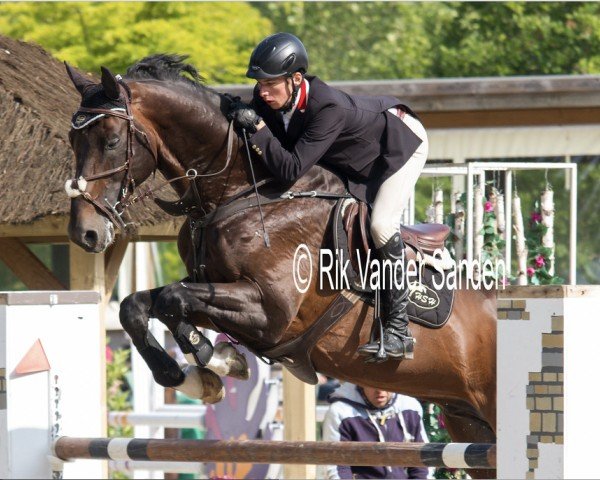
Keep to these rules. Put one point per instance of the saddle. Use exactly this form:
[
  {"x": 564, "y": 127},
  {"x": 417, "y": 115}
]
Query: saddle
[{"x": 352, "y": 238}]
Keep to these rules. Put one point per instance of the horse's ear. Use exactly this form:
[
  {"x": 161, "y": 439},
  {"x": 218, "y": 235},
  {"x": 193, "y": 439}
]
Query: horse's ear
[
  {"x": 80, "y": 81},
  {"x": 110, "y": 84}
]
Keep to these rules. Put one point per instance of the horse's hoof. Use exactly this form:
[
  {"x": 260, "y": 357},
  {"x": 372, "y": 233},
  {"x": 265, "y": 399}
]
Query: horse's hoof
[
  {"x": 202, "y": 384},
  {"x": 227, "y": 361}
]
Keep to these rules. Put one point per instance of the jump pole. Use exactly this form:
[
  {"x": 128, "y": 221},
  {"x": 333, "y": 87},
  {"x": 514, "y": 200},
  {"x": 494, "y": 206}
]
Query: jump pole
[{"x": 452, "y": 455}]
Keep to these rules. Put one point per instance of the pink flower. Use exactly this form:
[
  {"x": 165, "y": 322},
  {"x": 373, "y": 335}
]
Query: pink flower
[
  {"x": 109, "y": 354},
  {"x": 441, "y": 421},
  {"x": 539, "y": 261},
  {"x": 504, "y": 281},
  {"x": 530, "y": 271},
  {"x": 536, "y": 217},
  {"x": 488, "y": 207}
]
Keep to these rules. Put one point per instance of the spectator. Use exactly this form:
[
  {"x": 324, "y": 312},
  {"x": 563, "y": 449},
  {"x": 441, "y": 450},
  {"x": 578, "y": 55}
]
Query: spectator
[{"x": 369, "y": 414}]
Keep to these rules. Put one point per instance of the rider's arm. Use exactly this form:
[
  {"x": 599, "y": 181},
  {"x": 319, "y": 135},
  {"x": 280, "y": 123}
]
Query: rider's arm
[{"x": 320, "y": 133}]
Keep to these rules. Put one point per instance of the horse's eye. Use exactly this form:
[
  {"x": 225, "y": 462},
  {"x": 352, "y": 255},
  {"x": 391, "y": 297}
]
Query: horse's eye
[{"x": 112, "y": 143}]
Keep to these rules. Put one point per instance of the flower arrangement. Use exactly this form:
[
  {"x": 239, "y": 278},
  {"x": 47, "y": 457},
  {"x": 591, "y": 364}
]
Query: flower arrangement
[
  {"x": 493, "y": 243},
  {"x": 539, "y": 258}
]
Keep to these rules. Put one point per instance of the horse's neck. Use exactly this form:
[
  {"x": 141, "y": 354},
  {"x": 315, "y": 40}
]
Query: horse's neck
[{"x": 193, "y": 135}]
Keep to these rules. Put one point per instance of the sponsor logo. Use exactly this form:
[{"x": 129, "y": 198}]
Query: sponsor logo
[
  {"x": 194, "y": 338},
  {"x": 424, "y": 297}
]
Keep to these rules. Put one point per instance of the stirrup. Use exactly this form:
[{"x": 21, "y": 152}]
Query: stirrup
[
  {"x": 377, "y": 353},
  {"x": 408, "y": 347}
]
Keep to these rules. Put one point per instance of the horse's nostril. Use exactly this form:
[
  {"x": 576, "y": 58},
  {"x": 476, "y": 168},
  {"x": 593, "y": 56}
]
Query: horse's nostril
[{"x": 91, "y": 237}]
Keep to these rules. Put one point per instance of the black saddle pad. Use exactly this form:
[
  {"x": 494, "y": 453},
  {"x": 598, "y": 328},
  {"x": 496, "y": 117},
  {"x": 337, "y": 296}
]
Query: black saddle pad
[{"x": 428, "y": 305}]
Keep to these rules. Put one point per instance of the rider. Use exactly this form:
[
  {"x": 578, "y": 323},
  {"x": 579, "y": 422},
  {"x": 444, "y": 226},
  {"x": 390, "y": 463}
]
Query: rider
[{"x": 376, "y": 144}]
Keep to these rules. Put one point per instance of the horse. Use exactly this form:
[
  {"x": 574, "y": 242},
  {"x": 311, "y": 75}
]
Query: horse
[{"x": 174, "y": 123}]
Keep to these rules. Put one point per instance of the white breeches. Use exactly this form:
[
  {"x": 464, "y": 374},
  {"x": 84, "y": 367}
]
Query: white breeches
[{"x": 393, "y": 195}]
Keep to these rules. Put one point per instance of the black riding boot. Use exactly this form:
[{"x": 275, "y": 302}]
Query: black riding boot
[{"x": 397, "y": 339}]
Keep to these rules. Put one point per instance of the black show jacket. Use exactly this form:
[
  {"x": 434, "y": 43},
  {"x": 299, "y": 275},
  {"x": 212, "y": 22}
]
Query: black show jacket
[{"x": 354, "y": 136}]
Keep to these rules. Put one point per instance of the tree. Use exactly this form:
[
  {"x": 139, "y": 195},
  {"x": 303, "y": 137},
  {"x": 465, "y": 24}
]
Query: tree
[
  {"x": 365, "y": 40},
  {"x": 519, "y": 38},
  {"x": 219, "y": 37},
  {"x": 384, "y": 40}
]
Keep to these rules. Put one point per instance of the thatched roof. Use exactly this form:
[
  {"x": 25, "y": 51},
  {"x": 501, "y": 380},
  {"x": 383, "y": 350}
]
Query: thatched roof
[{"x": 36, "y": 103}]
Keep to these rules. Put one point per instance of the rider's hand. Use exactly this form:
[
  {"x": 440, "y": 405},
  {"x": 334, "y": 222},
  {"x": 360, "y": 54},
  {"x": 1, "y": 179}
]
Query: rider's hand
[{"x": 244, "y": 117}]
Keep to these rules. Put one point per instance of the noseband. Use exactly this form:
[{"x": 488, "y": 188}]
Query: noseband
[{"x": 76, "y": 187}]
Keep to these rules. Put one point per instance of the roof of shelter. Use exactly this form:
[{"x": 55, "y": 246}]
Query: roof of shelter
[
  {"x": 484, "y": 101},
  {"x": 37, "y": 100}
]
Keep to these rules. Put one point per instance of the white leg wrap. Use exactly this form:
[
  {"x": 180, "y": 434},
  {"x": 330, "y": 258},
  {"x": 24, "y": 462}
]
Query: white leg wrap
[
  {"x": 201, "y": 383},
  {"x": 227, "y": 361}
]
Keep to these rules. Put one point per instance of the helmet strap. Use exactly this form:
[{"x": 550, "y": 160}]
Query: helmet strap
[{"x": 295, "y": 89}]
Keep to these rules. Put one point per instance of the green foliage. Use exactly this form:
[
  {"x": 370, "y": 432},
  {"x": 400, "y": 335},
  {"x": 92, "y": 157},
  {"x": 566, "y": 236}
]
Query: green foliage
[
  {"x": 377, "y": 40},
  {"x": 360, "y": 40},
  {"x": 118, "y": 392},
  {"x": 519, "y": 38},
  {"x": 219, "y": 37},
  {"x": 170, "y": 262}
]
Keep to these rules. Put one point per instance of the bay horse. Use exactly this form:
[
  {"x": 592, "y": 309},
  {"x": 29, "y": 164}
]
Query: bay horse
[{"x": 174, "y": 123}]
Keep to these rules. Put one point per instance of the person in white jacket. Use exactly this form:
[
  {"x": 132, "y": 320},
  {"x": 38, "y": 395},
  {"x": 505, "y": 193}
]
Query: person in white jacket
[{"x": 373, "y": 415}]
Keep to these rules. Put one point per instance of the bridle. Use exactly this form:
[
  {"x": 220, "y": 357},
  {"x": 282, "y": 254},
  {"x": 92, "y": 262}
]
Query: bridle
[{"x": 77, "y": 187}]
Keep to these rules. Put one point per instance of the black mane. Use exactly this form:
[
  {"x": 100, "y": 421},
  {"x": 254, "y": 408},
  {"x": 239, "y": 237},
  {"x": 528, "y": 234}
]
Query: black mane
[{"x": 165, "y": 67}]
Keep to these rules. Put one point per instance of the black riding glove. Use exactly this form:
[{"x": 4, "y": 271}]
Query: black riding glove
[{"x": 244, "y": 117}]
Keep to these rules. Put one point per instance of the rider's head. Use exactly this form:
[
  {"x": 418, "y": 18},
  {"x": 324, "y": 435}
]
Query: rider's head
[
  {"x": 278, "y": 64},
  {"x": 376, "y": 397}
]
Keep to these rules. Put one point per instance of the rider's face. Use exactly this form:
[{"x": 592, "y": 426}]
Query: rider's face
[{"x": 276, "y": 92}]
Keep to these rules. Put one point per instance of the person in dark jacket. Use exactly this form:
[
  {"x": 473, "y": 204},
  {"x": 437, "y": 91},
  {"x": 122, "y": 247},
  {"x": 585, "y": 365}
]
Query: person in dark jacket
[
  {"x": 376, "y": 144},
  {"x": 368, "y": 414}
]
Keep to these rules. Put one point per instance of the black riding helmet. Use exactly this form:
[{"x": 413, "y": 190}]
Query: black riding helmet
[{"x": 280, "y": 54}]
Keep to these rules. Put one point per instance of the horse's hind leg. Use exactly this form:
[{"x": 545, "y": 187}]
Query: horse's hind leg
[
  {"x": 469, "y": 428},
  {"x": 196, "y": 382}
]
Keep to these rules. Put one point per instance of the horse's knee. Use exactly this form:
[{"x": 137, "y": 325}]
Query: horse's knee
[
  {"x": 170, "y": 305},
  {"x": 131, "y": 314}
]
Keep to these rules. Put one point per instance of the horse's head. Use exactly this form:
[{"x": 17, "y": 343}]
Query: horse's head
[{"x": 112, "y": 156}]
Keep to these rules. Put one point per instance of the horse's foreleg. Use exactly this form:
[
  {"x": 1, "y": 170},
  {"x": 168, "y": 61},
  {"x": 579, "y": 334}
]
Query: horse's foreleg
[
  {"x": 196, "y": 382},
  {"x": 181, "y": 305},
  {"x": 134, "y": 314}
]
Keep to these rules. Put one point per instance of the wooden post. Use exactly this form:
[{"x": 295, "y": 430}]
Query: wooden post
[
  {"x": 438, "y": 205},
  {"x": 299, "y": 420},
  {"x": 500, "y": 216},
  {"x": 478, "y": 222},
  {"x": 519, "y": 241},
  {"x": 547, "y": 209},
  {"x": 87, "y": 273},
  {"x": 26, "y": 266},
  {"x": 459, "y": 228}
]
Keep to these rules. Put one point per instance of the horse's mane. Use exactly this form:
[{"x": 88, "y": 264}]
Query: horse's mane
[{"x": 167, "y": 67}]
